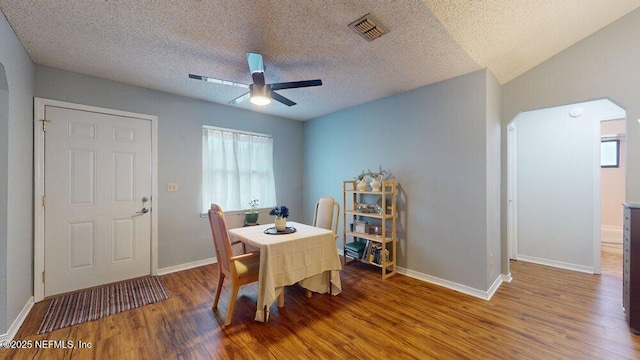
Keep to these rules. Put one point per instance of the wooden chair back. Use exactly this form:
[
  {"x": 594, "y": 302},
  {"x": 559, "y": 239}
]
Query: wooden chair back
[
  {"x": 220, "y": 239},
  {"x": 326, "y": 215}
]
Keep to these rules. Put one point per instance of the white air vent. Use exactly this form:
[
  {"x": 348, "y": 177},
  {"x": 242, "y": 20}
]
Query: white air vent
[{"x": 368, "y": 27}]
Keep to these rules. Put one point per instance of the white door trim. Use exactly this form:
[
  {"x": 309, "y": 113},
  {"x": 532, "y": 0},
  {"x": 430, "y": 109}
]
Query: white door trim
[
  {"x": 39, "y": 105},
  {"x": 512, "y": 192}
]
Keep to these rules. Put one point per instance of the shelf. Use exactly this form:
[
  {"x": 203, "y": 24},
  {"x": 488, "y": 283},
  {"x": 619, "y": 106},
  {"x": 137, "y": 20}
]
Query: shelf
[
  {"x": 351, "y": 198},
  {"x": 371, "y": 215},
  {"x": 365, "y": 192},
  {"x": 372, "y": 237},
  {"x": 387, "y": 264}
]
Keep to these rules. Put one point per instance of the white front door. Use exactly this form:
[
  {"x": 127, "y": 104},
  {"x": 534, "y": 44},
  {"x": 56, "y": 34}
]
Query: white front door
[{"x": 97, "y": 186}]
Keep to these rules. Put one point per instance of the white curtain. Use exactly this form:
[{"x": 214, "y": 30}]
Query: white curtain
[{"x": 236, "y": 168}]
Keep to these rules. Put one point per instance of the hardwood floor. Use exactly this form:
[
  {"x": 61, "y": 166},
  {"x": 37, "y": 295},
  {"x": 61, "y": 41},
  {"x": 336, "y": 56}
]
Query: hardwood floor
[{"x": 544, "y": 313}]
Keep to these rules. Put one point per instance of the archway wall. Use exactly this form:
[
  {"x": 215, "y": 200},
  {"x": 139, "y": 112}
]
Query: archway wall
[
  {"x": 604, "y": 65},
  {"x": 558, "y": 184}
]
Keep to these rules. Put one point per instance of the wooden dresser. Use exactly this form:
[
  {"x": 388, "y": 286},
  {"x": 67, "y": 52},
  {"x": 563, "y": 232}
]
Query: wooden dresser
[{"x": 631, "y": 265}]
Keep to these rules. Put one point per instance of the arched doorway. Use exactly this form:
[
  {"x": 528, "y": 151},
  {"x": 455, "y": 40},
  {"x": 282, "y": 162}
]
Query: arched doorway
[{"x": 553, "y": 184}]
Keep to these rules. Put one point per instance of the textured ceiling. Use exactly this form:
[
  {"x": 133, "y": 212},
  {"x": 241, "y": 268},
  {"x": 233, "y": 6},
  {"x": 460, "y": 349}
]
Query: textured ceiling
[{"x": 157, "y": 43}]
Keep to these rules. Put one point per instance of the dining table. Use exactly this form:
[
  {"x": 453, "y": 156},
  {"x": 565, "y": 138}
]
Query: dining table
[{"x": 301, "y": 254}]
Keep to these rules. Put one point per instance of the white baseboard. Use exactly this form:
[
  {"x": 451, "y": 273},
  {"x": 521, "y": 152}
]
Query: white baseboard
[
  {"x": 611, "y": 234},
  {"x": 191, "y": 265},
  {"x": 557, "y": 264},
  {"x": 494, "y": 287},
  {"x": 484, "y": 295},
  {"x": 15, "y": 326}
]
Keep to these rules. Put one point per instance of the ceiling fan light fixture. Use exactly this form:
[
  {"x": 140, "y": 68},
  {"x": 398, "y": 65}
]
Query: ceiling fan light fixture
[
  {"x": 260, "y": 100},
  {"x": 259, "y": 95}
]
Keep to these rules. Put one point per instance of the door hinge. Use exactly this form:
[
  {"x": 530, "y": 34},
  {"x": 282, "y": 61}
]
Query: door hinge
[
  {"x": 44, "y": 125},
  {"x": 43, "y": 276},
  {"x": 44, "y": 201}
]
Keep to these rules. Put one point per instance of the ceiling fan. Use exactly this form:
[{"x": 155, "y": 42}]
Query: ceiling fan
[{"x": 260, "y": 93}]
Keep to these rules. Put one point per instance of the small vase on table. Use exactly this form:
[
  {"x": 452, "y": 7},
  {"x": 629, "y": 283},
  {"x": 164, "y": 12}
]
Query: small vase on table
[{"x": 280, "y": 223}]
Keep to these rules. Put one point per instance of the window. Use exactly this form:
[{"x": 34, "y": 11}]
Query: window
[
  {"x": 610, "y": 153},
  {"x": 236, "y": 168}
]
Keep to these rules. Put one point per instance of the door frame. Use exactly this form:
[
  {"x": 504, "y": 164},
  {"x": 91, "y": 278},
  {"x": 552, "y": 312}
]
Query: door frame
[
  {"x": 512, "y": 191},
  {"x": 39, "y": 105}
]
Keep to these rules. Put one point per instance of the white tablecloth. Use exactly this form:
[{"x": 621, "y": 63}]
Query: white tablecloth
[{"x": 304, "y": 256}]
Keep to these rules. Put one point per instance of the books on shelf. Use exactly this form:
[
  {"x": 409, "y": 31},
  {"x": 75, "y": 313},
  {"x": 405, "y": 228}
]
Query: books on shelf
[
  {"x": 374, "y": 253},
  {"x": 356, "y": 245},
  {"x": 354, "y": 249}
]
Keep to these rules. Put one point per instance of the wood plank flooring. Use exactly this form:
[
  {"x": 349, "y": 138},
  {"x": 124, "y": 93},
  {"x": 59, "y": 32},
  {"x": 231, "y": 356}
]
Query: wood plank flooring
[{"x": 544, "y": 313}]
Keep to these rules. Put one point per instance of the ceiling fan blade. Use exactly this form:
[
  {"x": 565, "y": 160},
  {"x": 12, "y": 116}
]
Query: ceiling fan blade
[
  {"x": 277, "y": 97},
  {"x": 218, "y": 81},
  {"x": 255, "y": 62},
  {"x": 240, "y": 98},
  {"x": 295, "y": 84}
]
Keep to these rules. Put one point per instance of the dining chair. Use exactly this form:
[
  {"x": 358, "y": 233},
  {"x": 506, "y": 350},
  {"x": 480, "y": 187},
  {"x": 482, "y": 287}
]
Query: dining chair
[
  {"x": 241, "y": 269},
  {"x": 326, "y": 215}
]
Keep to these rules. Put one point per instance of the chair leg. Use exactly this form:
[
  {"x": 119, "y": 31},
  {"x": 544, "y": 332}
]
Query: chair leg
[
  {"x": 281, "y": 298},
  {"x": 232, "y": 304},
  {"x": 218, "y": 290}
]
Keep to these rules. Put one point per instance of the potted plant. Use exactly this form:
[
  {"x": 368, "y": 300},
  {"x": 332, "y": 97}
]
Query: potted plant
[
  {"x": 281, "y": 213},
  {"x": 251, "y": 216},
  {"x": 374, "y": 178}
]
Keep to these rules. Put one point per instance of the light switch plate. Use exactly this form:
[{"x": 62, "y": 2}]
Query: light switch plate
[{"x": 172, "y": 187}]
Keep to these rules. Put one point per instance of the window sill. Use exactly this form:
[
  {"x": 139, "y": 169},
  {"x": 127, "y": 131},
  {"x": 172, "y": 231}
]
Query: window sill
[{"x": 237, "y": 212}]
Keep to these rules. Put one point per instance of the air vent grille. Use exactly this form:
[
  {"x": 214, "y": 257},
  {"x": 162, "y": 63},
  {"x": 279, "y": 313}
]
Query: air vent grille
[{"x": 368, "y": 27}]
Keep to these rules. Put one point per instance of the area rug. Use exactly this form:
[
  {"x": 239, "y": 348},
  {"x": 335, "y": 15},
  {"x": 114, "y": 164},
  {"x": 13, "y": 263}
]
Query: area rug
[{"x": 99, "y": 302}]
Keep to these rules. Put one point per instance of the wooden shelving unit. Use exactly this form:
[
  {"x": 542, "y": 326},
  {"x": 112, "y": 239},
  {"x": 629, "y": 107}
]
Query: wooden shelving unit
[{"x": 384, "y": 245}]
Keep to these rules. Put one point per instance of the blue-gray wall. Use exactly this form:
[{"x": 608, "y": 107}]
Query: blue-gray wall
[
  {"x": 16, "y": 178},
  {"x": 433, "y": 140},
  {"x": 183, "y": 236}
]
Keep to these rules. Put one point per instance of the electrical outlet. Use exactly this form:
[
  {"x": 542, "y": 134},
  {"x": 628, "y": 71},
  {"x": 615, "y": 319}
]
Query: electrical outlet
[{"x": 172, "y": 187}]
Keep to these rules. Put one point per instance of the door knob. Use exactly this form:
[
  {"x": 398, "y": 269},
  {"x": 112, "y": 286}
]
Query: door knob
[{"x": 143, "y": 211}]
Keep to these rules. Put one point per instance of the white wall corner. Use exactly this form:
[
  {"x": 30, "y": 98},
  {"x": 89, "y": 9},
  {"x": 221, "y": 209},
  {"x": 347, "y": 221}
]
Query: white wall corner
[
  {"x": 187, "y": 266},
  {"x": 15, "y": 326}
]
